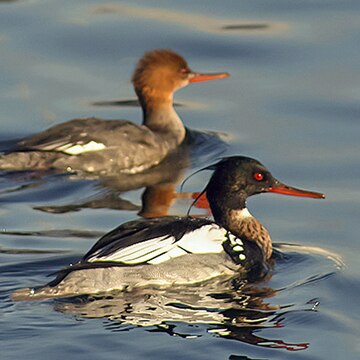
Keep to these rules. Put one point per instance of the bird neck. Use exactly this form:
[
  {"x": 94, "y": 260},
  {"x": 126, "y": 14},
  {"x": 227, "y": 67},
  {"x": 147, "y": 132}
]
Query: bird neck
[
  {"x": 159, "y": 114},
  {"x": 242, "y": 224}
]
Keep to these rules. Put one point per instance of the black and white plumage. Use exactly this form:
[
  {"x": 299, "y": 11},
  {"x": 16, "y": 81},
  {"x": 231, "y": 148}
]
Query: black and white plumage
[
  {"x": 93, "y": 145},
  {"x": 153, "y": 241},
  {"x": 159, "y": 240},
  {"x": 173, "y": 250}
]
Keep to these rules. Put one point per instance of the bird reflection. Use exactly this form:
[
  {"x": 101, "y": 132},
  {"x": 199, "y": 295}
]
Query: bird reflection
[
  {"x": 229, "y": 308},
  {"x": 160, "y": 182}
]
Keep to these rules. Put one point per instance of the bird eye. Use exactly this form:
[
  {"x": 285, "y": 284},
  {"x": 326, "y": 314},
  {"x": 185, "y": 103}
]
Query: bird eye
[
  {"x": 258, "y": 176},
  {"x": 185, "y": 71}
]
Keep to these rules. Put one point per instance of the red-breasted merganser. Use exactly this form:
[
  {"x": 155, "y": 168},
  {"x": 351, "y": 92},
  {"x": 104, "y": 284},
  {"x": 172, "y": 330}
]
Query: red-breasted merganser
[
  {"x": 172, "y": 250},
  {"x": 111, "y": 146}
]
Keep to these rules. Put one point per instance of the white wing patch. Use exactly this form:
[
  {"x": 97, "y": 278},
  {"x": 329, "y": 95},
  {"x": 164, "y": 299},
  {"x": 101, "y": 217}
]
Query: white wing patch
[
  {"x": 76, "y": 149},
  {"x": 138, "y": 253},
  {"x": 206, "y": 239}
]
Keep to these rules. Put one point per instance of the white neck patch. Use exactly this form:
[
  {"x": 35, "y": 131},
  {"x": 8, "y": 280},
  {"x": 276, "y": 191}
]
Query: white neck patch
[{"x": 244, "y": 213}]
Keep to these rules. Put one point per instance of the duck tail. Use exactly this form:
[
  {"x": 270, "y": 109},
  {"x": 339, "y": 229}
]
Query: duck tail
[{"x": 31, "y": 294}]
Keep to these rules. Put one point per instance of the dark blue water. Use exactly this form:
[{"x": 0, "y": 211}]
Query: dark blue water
[{"x": 292, "y": 102}]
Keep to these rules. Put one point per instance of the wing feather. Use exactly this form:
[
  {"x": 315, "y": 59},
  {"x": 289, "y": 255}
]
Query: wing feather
[
  {"x": 167, "y": 238},
  {"x": 138, "y": 253}
]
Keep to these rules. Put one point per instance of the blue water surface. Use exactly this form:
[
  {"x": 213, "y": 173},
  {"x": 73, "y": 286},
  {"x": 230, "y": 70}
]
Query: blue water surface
[{"x": 292, "y": 102}]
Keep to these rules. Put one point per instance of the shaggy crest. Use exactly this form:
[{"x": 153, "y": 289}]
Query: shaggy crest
[{"x": 159, "y": 65}]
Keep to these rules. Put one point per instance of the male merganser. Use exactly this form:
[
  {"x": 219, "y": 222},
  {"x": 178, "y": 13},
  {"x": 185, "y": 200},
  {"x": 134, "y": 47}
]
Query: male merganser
[
  {"x": 172, "y": 250},
  {"x": 111, "y": 146}
]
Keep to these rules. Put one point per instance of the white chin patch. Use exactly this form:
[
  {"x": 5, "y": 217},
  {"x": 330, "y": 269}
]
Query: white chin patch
[{"x": 77, "y": 149}]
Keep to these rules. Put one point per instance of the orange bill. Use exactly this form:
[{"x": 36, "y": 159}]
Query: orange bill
[
  {"x": 197, "y": 77},
  {"x": 280, "y": 188}
]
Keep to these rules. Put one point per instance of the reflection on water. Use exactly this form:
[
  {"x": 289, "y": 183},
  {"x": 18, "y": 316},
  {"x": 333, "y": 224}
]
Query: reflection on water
[
  {"x": 246, "y": 27},
  {"x": 232, "y": 309},
  {"x": 199, "y": 22},
  {"x": 229, "y": 311},
  {"x": 160, "y": 182},
  {"x": 121, "y": 103}
]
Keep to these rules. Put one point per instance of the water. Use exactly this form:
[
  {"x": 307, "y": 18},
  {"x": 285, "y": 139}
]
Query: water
[{"x": 291, "y": 102}]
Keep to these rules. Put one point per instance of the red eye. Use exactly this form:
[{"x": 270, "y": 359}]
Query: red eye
[{"x": 258, "y": 176}]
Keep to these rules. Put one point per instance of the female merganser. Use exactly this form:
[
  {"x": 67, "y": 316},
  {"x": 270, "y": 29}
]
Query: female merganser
[
  {"x": 111, "y": 146},
  {"x": 160, "y": 181},
  {"x": 173, "y": 250}
]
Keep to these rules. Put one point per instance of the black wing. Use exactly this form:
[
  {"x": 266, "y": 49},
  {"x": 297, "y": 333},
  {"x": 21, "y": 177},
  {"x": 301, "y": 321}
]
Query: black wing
[{"x": 143, "y": 240}]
